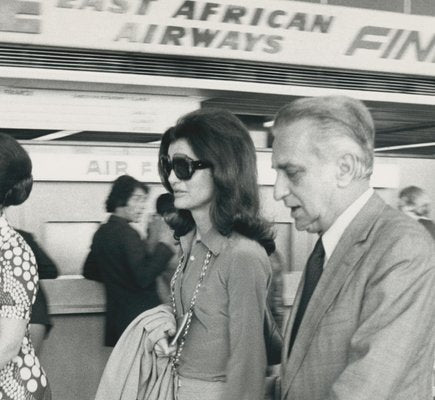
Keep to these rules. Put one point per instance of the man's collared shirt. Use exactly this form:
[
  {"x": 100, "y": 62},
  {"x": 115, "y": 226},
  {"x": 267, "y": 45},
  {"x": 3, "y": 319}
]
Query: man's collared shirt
[{"x": 331, "y": 237}]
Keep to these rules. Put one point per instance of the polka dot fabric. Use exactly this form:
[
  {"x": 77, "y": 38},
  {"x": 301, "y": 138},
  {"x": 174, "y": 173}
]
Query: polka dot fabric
[{"x": 23, "y": 377}]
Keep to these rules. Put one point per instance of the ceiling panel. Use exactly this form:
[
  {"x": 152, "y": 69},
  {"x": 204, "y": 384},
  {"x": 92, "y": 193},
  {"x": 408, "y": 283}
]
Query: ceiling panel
[{"x": 396, "y": 124}]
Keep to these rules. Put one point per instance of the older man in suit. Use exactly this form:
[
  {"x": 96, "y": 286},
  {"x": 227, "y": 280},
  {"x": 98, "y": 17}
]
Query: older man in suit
[{"x": 364, "y": 314}]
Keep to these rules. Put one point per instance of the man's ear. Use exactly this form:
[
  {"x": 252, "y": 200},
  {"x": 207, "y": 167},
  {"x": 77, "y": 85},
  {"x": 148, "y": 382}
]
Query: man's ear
[{"x": 347, "y": 165}]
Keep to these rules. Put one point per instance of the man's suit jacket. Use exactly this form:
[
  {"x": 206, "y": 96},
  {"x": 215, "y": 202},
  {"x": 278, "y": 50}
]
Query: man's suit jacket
[
  {"x": 368, "y": 331},
  {"x": 120, "y": 259}
]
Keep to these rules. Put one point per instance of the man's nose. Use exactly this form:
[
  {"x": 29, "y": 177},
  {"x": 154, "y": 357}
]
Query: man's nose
[{"x": 280, "y": 189}]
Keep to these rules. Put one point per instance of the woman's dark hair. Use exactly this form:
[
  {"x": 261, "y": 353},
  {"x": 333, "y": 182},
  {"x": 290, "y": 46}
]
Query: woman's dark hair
[
  {"x": 122, "y": 189},
  {"x": 16, "y": 179},
  {"x": 217, "y": 136}
]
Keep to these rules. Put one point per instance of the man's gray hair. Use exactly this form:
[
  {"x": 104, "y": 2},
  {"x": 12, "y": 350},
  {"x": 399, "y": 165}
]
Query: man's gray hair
[{"x": 336, "y": 116}]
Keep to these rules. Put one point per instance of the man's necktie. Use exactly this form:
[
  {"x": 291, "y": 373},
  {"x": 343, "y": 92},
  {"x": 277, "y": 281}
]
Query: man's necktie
[{"x": 313, "y": 272}]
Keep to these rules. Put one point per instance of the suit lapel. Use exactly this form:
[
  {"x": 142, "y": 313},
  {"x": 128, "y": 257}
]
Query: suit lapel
[{"x": 345, "y": 257}]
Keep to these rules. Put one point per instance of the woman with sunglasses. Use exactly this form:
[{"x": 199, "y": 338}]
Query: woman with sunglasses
[
  {"x": 219, "y": 288},
  {"x": 21, "y": 375}
]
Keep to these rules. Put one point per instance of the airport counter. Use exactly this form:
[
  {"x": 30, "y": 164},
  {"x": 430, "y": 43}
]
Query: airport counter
[{"x": 74, "y": 354}]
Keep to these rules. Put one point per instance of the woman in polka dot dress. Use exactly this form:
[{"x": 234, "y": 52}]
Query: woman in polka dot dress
[{"x": 21, "y": 375}]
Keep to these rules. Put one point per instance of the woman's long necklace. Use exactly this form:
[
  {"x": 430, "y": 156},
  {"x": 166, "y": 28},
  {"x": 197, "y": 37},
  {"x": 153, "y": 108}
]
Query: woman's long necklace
[{"x": 182, "y": 340}]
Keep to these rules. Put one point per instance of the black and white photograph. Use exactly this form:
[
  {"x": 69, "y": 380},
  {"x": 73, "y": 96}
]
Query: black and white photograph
[{"x": 217, "y": 200}]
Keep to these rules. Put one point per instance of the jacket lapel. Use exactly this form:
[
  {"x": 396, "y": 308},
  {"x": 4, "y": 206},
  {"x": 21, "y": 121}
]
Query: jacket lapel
[
  {"x": 350, "y": 248},
  {"x": 289, "y": 325}
]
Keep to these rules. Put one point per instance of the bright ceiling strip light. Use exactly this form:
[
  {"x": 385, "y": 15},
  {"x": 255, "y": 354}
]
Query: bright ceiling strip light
[
  {"x": 406, "y": 146},
  {"x": 56, "y": 135}
]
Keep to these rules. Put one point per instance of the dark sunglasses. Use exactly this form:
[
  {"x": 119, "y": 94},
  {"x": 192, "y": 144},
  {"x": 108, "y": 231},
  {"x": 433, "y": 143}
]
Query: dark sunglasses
[{"x": 183, "y": 166}]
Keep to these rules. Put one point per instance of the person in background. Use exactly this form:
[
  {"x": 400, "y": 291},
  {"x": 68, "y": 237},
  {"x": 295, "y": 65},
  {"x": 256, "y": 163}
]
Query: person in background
[
  {"x": 126, "y": 264},
  {"x": 276, "y": 304},
  {"x": 363, "y": 321},
  {"x": 415, "y": 202},
  {"x": 21, "y": 374},
  {"x": 165, "y": 209},
  {"x": 207, "y": 160},
  {"x": 40, "y": 322},
  {"x": 175, "y": 219},
  {"x": 275, "y": 296},
  {"x": 165, "y": 206}
]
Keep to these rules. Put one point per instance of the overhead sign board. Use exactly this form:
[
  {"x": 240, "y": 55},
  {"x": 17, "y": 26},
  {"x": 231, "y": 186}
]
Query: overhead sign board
[
  {"x": 289, "y": 32},
  {"x": 91, "y": 111},
  {"x": 67, "y": 163},
  {"x": 104, "y": 164}
]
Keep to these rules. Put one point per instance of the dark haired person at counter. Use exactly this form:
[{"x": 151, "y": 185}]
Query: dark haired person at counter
[
  {"x": 126, "y": 264},
  {"x": 165, "y": 209},
  {"x": 21, "y": 374}
]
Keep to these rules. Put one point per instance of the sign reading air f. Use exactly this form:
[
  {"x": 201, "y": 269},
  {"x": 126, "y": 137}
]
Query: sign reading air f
[{"x": 18, "y": 16}]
